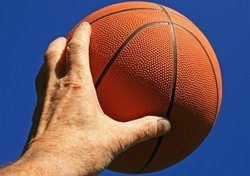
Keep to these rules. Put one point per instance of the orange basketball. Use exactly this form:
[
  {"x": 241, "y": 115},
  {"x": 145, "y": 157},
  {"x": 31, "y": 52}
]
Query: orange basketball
[{"x": 147, "y": 59}]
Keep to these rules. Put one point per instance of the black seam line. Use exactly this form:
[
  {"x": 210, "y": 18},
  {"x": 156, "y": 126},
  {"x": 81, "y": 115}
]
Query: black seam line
[
  {"x": 125, "y": 10},
  {"x": 172, "y": 94},
  {"x": 112, "y": 60},
  {"x": 132, "y": 9},
  {"x": 216, "y": 83}
]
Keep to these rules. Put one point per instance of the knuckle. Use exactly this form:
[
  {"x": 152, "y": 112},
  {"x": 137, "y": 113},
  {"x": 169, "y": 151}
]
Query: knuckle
[
  {"x": 150, "y": 128},
  {"x": 70, "y": 84},
  {"x": 76, "y": 45},
  {"x": 51, "y": 53}
]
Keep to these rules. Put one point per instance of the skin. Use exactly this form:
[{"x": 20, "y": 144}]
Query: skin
[{"x": 70, "y": 134}]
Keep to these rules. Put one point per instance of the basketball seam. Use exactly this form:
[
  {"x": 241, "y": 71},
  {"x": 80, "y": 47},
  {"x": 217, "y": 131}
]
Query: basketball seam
[
  {"x": 182, "y": 16},
  {"x": 172, "y": 94},
  {"x": 113, "y": 58},
  {"x": 132, "y": 9},
  {"x": 124, "y": 10},
  {"x": 215, "y": 77}
]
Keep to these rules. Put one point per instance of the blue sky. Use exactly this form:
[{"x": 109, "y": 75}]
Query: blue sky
[{"x": 27, "y": 27}]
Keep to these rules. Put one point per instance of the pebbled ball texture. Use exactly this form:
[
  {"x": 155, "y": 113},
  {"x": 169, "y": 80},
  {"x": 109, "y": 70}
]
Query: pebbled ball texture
[{"x": 147, "y": 59}]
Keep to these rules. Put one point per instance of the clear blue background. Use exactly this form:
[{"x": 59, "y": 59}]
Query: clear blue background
[{"x": 27, "y": 27}]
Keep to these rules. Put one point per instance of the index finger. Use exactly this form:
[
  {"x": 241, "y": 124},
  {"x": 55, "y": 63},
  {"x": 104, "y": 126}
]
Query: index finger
[{"x": 77, "y": 56}]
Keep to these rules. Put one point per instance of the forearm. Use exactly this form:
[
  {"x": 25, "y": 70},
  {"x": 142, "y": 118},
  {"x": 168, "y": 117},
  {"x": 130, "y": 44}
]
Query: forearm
[{"x": 37, "y": 165}]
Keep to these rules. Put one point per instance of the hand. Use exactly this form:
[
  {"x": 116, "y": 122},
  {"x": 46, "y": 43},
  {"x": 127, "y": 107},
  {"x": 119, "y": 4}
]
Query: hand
[{"x": 70, "y": 131}]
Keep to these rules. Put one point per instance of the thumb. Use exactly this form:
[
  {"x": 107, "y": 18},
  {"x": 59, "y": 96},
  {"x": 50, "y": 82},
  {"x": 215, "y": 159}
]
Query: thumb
[{"x": 145, "y": 128}]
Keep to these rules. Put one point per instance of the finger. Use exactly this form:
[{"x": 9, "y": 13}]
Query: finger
[
  {"x": 30, "y": 136},
  {"x": 77, "y": 59},
  {"x": 53, "y": 56},
  {"x": 143, "y": 129},
  {"x": 41, "y": 82}
]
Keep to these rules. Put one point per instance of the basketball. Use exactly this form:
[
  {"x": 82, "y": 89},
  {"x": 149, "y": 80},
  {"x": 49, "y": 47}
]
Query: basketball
[{"x": 148, "y": 59}]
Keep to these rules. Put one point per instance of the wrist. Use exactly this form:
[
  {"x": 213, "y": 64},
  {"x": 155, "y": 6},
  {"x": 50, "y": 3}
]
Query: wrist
[
  {"x": 46, "y": 163},
  {"x": 38, "y": 163},
  {"x": 63, "y": 159}
]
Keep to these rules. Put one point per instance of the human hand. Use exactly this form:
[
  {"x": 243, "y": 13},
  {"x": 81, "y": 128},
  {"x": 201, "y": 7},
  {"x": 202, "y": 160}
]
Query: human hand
[{"x": 71, "y": 134}]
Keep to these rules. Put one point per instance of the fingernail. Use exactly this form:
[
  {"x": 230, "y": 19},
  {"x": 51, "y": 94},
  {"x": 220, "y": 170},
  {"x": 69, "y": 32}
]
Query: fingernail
[
  {"x": 163, "y": 126},
  {"x": 85, "y": 25}
]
